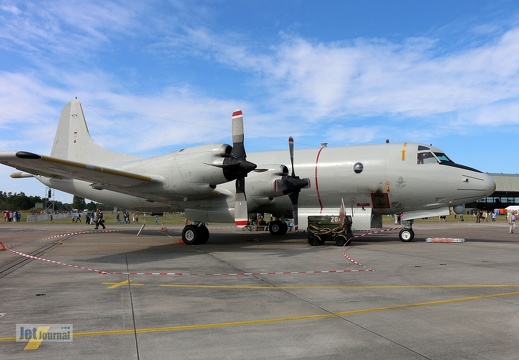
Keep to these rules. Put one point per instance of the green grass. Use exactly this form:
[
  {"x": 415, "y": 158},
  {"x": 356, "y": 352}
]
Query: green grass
[
  {"x": 110, "y": 219},
  {"x": 179, "y": 219}
]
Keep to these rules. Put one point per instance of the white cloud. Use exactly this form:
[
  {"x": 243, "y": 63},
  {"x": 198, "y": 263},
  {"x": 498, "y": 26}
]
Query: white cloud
[{"x": 317, "y": 85}]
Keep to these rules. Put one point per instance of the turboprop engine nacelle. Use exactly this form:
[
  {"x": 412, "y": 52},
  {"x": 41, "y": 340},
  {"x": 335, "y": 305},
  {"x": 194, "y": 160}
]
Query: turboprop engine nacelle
[
  {"x": 203, "y": 165},
  {"x": 264, "y": 183}
]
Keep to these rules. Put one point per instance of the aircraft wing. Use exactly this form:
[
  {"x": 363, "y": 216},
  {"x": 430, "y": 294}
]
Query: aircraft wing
[{"x": 100, "y": 177}]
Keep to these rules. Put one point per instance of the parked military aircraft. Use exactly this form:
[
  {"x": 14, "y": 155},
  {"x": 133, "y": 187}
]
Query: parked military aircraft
[{"x": 208, "y": 183}]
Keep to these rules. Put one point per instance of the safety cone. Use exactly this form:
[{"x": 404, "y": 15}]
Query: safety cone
[{"x": 3, "y": 247}]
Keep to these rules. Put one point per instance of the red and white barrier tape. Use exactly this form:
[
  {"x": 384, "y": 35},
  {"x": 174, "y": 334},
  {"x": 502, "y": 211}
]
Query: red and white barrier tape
[
  {"x": 56, "y": 262},
  {"x": 239, "y": 274},
  {"x": 59, "y": 262},
  {"x": 12, "y": 245},
  {"x": 365, "y": 234},
  {"x": 184, "y": 273}
]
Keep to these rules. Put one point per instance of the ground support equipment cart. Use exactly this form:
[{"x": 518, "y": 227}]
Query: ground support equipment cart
[{"x": 329, "y": 228}]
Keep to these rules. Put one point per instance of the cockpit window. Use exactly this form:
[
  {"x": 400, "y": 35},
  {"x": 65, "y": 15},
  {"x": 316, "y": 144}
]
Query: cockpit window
[
  {"x": 426, "y": 157},
  {"x": 442, "y": 157},
  {"x": 421, "y": 148}
]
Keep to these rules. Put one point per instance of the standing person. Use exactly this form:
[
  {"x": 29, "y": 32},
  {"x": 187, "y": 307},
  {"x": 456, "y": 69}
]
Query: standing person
[
  {"x": 511, "y": 221},
  {"x": 99, "y": 219}
]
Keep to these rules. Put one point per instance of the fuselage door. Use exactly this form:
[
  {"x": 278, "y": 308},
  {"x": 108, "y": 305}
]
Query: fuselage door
[{"x": 380, "y": 200}]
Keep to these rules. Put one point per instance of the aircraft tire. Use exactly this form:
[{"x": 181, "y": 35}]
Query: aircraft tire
[
  {"x": 191, "y": 235},
  {"x": 314, "y": 240},
  {"x": 406, "y": 235},
  {"x": 204, "y": 232},
  {"x": 278, "y": 228},
  {"x": 284, "y": 228}
]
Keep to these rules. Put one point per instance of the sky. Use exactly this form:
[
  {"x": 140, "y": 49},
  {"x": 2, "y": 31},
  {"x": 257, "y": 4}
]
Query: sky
[{"x": 161, "y": 75}]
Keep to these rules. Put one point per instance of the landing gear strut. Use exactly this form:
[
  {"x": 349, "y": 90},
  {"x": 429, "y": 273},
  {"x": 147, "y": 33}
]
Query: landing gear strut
[
  {"x": 407, "y": 233},
  {"x": 194, "y": 234}
]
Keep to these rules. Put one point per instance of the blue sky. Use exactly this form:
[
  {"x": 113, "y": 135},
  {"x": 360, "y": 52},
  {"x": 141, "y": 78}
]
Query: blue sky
[{"x": 157, "y": 76}]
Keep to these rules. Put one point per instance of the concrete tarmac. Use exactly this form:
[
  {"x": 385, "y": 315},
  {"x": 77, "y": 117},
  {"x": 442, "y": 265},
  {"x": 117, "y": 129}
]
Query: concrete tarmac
[{"x": 248, "y": 295}]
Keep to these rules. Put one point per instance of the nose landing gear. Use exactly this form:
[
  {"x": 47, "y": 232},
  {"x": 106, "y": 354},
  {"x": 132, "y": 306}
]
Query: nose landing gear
[{"x": 407, "y": 233}]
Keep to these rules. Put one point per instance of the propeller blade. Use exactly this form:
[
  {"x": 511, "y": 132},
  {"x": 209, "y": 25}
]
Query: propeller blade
[
  {"x": 238, "y": 168},
  {"x": 295, "y": 208},
  {"x": 294, "y": 185},
  {"x": 238, "y": 148},
  {"x": 241, "y": 214},
  {"x": 291, "y": 149}
]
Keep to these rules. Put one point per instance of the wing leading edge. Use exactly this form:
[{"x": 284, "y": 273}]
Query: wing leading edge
[{"x": 100, "y": 177}]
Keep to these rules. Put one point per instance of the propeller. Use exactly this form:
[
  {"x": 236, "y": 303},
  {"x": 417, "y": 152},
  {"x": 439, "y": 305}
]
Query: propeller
[
  {"x": 293, "y": 185},
  {"x": 237, "y": 167}
]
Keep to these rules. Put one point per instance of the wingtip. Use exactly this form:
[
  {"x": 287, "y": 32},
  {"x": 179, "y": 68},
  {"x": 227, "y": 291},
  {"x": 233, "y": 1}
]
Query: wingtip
[
  {"x": 21, "y": 175},
  {"x": 237, "y": 112}
]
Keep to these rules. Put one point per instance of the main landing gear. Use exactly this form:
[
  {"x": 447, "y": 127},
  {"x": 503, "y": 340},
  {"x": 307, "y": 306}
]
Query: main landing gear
[
  {"x": 197, "y": 233},
  {"x": 194, "y": 234},
  {"x": 407, "y": 233},
  {"x": 278, "y": 227}
]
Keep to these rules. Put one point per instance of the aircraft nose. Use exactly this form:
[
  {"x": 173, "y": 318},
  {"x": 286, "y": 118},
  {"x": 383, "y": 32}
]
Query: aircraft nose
[
  {"x": 487, "y": 185},
  {"x": 480, "y": 184},
  {"x": 491, "y": 185}
]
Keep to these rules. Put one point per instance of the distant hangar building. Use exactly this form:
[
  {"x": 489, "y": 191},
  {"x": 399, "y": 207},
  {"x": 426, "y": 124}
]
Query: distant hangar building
[{"x": 506, "y": 194}]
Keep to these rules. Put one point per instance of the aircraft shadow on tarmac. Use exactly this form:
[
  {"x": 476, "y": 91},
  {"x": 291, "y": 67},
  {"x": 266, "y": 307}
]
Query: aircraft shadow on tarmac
[
  {"x": 144, "y": 249},
  {"x": 140, "y": 252}
]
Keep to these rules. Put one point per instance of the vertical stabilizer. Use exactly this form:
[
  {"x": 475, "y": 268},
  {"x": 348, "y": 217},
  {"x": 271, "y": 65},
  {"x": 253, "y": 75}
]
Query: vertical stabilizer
[{"x": 73, "y": 141}]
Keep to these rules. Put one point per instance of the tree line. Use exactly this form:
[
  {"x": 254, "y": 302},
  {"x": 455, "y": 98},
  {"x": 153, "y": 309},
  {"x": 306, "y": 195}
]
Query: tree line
[{"x": 21, "y": 202}]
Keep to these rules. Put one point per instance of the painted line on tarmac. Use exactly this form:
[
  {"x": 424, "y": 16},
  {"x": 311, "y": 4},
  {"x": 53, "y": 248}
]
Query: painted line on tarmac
[
  {"x": 278, "y": 320},
  {"x": 115, "y": 285},
  {"x": 34, "y": 344}
]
